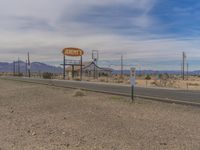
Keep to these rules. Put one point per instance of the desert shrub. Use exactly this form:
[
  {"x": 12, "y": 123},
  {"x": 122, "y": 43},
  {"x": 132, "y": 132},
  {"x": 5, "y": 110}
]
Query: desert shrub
[
  {"x": 78, "y": 93},
  {"x": 103, "y": 74},
  {"x": 119, "y": 81},
  {"x": 193, "y": 84},
  {"x": 77, "y": 79},
  {"x": 154, "y": 83},
  {"x": 148, "y": 77},
  {"x": 160, "y": 76},
  {"x": 19, "y": 74},
  {"x": 102, "y": 80},
  {"x": 47, "y": 75}
]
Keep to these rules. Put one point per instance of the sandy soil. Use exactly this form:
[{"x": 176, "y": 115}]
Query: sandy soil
[
  {"x": 193, "y": 83},
  {"x": 37, "y": 117}
]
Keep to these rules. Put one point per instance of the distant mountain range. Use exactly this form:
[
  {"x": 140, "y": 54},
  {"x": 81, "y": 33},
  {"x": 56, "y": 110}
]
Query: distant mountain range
[
  {"x": 41, "y": 67},
  {"x": 35, "y": 67},
  {"x": 175, "y": 72}
]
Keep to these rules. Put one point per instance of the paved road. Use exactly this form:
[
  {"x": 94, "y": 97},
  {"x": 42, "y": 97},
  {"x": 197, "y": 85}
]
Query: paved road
[{"x": 165, "y": 94}]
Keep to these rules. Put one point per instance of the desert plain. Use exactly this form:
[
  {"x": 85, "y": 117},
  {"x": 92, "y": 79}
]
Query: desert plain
[{"x": 40, "y": 117}]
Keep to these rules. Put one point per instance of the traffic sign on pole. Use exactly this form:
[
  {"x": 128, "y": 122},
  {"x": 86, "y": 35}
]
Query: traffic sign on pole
[{"x": 132, "y": 80}]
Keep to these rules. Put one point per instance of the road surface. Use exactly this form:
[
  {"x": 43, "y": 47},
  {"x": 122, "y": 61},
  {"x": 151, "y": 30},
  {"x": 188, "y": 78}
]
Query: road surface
[{"x": 152, "y": 93}]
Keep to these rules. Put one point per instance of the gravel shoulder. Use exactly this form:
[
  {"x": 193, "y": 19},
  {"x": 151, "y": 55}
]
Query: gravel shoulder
[{"x": 39, "y": 117}]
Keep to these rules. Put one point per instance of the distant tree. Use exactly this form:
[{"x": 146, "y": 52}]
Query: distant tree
[
  {"x": 166, "y": 76},
  {"x": 148, "y": 77},
  {"x": 47, "y": 75},
  {"x": 20, "y": 74},
  {"x": 160, "y": 76}
]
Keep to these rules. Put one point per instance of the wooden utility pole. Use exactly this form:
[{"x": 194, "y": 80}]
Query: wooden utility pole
[
  {"x": 26, "y": 70},
  {"x": 18, "y": 67},
  {"x": 187, "y": 71},
  {"x": 29, "y": 66},
  {"x": 122, "y": 66},
  {"x": 183, "y": 71},
  {"x": 95, "y": 58},
  {"x": 13, "y": 68}
]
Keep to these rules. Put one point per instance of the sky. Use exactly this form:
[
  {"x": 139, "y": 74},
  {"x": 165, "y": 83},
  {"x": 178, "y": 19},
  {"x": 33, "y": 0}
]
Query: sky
[{"x": 150, "y": 34}]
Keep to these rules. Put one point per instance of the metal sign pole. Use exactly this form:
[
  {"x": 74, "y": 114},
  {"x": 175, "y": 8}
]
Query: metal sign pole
[
  {"x": 81, "y": 73},
  {"x": 64, "y": 67},
  {"x": 73, "y": 52},
  {"x": 132, "y": 92},
  {"x": 132, "y": 79}
]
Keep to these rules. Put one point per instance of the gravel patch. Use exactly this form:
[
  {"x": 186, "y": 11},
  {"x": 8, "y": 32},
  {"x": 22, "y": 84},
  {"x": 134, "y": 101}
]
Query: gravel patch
[{"x": 34, "y": 117}]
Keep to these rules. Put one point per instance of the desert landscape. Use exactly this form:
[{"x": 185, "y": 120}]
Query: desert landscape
[
  {"x": 175, "y": 82},
  {"x": 191, "y": 82},
  {"x": 38, "y": 117}
]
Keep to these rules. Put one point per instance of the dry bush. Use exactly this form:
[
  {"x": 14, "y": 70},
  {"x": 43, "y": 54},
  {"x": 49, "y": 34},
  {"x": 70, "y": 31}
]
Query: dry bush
[
  {"x": 102, "y": 80},
  {"x": 120, "y": 81},
  {"x": 154, "y": 83},
  {"x": 47, "y": 75},
  {"x": 193, "y": 84},
  {"x": 77, "y": 79},
  {"x": 79, "y": 92}
]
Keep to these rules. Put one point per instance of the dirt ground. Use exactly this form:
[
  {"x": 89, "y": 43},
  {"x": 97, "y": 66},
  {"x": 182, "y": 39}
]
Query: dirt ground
[
  {"x": 192, "y": 83},
  {"x": 38, "y": 117}
]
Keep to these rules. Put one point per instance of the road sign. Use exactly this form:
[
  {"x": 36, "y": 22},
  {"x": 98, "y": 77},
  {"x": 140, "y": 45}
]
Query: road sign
[
  {"x": 132, "y": 76},
  {"x": 74, "y": 52},
  {"x": 132, "y": 80}
]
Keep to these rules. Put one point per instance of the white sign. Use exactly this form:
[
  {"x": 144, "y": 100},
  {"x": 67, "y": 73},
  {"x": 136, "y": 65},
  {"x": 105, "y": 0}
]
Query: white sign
[{"x": 132, "y": 76}]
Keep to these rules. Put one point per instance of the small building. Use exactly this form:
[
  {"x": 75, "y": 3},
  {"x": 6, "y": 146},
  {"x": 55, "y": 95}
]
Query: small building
[{"x": 89, "y": 69}]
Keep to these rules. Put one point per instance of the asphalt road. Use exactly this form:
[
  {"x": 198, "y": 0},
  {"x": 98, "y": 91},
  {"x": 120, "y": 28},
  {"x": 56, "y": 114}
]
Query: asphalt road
[{"x": 153, "y": 93}]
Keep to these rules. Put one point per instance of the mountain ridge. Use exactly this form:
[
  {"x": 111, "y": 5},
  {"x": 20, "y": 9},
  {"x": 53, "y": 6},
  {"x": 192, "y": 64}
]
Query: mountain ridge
[
  {"x": 35, "y": 67},
  {"x": 42, "y": 67}
]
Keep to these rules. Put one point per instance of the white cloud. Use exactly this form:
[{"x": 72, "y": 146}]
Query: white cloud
[{"x": 44, "y": 27}]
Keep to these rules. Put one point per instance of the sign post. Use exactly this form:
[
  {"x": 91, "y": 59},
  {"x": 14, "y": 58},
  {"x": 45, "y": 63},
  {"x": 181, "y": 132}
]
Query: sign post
[
  {"x": 132, "y": 79},
  {"x": 64, "y": 67},
  {"x": 73, "y": 52}
]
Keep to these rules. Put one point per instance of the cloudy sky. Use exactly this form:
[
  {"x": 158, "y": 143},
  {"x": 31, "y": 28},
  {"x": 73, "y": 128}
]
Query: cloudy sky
[{"x": 148, "y": 33}]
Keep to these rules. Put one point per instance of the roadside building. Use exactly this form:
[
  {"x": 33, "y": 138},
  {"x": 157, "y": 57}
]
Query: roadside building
[{"x": 90, "y": 69}]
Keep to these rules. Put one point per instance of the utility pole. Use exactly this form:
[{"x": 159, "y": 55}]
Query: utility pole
[
  {"x": 95, "y": 58},
  {"x": 187, "y": 70},
  {"x": 122, "y": 66},
  {"x": 18, "y": 66},
  {"x": 26, "y": 70},
  {"x": 29, "y": 66},
  {"x": 183, "y": 71},
  {"x": 13, "y": 68}
]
